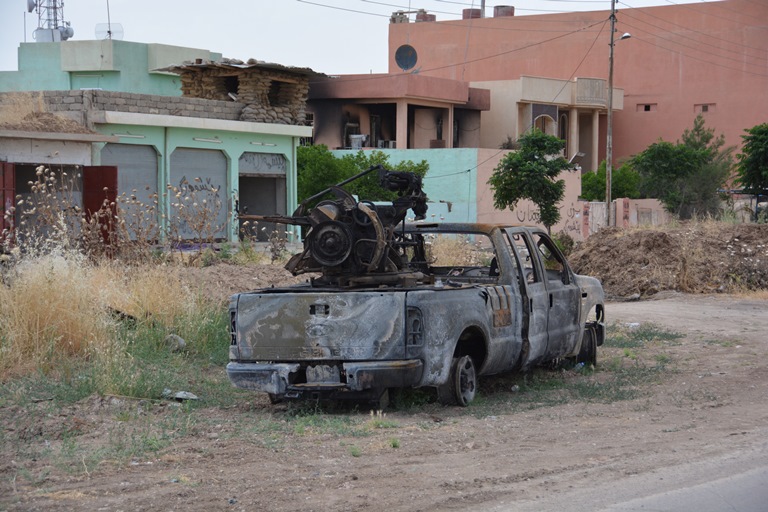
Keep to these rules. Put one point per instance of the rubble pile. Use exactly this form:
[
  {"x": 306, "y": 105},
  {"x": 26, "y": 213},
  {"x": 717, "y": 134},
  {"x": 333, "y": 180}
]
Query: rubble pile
[{"x": 703, "y": 257}]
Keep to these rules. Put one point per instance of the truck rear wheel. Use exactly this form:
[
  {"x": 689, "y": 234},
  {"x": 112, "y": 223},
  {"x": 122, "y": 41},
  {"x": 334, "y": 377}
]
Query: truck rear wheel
[{"x": 461, "y": 386}]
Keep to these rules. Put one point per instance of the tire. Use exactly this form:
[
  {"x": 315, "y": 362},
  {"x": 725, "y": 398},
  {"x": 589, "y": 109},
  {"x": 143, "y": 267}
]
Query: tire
[
  {"x": 275, "y": 399},
  {"x": 588, "y": 352},
  {"x": 461, "y": 387}
]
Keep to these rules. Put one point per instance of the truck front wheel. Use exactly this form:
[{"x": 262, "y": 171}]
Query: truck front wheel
[
  {"x": 461, "y": 386},
  {"x": 588, "y": 352}
]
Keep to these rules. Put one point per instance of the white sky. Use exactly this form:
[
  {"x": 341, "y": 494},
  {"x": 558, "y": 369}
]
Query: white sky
[{"x": 329, "y": 36}]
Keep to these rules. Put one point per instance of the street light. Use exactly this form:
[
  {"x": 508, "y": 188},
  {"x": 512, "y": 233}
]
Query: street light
[{"x": 609, "y": 220}]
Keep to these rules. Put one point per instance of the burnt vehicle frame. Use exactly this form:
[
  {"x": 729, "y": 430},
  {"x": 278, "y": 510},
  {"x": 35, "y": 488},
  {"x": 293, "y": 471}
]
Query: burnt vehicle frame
[{"x": 382, "y": 315}]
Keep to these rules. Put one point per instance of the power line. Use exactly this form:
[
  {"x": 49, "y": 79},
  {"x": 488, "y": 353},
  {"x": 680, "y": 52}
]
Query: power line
[
  {"x": 575, "y": 70},
  {"x": 343, "y": 9},
  {"x": 696, "y": 58},
  {"x": 695, "y": 48},
  {"x": 478, "y": 59},
  {"x": 714, "y": 4},
  {"x": 516, "y": 8},
  {"x": 683, "y": 27}
]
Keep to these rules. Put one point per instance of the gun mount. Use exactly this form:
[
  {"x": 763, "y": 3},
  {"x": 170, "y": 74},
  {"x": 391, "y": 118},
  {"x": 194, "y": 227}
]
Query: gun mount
[{"x": 356, "y": 242}]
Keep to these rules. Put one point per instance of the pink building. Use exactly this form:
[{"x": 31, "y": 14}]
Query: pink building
[{"x": 681, "y": 60}]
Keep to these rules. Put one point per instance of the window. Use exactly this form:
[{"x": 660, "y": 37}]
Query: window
[
  {"x": 553, "y": 262},
  {"x": 703, "y": 108},
  {"x": 526, "y": 262},
  {"x": 646, "y": 107}
]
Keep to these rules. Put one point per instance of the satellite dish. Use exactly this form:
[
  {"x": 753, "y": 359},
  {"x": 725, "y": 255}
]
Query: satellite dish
[
  {"x": 109, "y": 31},
  {"x": 31, "y": 4},
  {"x": 406, "y": 57}
]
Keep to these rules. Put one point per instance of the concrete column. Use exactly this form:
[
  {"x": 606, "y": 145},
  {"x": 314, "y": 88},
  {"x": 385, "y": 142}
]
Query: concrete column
[
  {"x": 573, "y": 132},
  {"x": 595, "y": 139},
  {"x": 401, "y": 132},
  {"x": 448, "y": 129}
]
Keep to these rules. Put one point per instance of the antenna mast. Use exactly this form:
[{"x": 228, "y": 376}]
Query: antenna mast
[{"x": 51, "y": 26}]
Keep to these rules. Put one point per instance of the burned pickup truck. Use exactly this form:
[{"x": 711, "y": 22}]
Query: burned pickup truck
[{"x": 409, "y": 304}]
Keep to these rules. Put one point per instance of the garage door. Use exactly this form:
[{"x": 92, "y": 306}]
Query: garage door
[
  {"x": 136, "y": 177},
  {"x": 199, "y": 174}
]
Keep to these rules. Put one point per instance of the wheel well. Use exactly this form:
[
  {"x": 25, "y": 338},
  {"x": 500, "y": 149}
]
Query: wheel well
[
  {"x": 472, "y": 343},
  {"x": 598, "y": 323}
]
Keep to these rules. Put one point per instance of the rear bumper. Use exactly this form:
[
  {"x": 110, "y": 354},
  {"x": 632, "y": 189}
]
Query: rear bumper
[{"x": 280, "y": 378}]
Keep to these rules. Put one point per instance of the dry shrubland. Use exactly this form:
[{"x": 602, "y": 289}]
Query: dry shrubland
[{"x": 93, "y": 288}]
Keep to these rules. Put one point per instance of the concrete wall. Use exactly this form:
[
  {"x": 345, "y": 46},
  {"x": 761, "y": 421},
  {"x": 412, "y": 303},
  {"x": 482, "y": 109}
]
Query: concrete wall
[
  {"x": 525, "y": 212},
  {"x": 45, "y": 152},
  {"x": 450, "y": 184}
]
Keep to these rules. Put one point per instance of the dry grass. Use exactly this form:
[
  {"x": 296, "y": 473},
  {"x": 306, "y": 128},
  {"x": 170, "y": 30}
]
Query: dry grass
[
  {"x": 63, "y": 306},
  {"x": 49, "y": 310},
  {"x": 457, "y": 250}
]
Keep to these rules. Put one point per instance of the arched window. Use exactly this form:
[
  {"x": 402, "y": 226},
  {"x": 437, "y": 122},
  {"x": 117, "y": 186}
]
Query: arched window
[{"x": 545, "y": 124}]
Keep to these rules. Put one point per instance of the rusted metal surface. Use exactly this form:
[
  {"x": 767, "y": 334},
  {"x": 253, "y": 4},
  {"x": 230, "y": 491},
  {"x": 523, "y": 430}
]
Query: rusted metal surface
[{"x": 382, "y": 316}]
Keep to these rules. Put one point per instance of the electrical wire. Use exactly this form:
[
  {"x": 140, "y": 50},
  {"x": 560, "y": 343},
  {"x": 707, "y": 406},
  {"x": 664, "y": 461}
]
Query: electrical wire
[
  {"x": 714, "y": 4},
  {"x": 687, "y": 55},
  {"x": 344, "y": 9},
  {"x": 575, "y": 70},
  {"x": 683, "y": 27},
  {"x": 478, "y": 59}
]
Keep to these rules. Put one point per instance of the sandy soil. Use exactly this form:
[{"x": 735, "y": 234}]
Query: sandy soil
[{"x": 708, "y": 406}]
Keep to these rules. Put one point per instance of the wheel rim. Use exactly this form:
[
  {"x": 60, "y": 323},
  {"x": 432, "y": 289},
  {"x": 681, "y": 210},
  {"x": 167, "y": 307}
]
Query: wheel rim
[{"x": 466, "y": 381}]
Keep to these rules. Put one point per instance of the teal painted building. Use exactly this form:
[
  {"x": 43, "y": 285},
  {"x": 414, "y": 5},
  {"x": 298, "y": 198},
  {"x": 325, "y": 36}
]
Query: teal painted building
[
  {"x": 108, "y": 65},
  {"x": 159, "y": 139},
  {"x": 450, "y": 183}
]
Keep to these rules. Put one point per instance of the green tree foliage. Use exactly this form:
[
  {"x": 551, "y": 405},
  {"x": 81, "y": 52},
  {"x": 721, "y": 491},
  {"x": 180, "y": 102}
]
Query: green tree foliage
[
  {"x": 318, "y": 169},
  {"x": 686, "y": 176},
  {"x": 368, "y": 187},
  {"x": 531, "y": 173},
  {"x": 753, "y": 160},
  {"x": 625, "y": 182}
]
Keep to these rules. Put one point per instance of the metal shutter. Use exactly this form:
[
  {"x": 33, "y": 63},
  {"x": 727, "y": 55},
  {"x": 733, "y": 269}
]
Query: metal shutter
[{"x": 210, "y": 168}]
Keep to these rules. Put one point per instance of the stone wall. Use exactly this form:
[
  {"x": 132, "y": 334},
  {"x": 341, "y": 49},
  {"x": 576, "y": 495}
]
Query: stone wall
[
  {"x": 262, "y": 96},
  {"x": 81, "y": 101}
]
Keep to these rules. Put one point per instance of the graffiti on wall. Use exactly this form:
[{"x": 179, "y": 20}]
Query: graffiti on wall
[{"x": 570, "y": 216}]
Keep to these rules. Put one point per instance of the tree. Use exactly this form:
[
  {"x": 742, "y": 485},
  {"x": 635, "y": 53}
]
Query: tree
[
  {"x": 318, "y": 169},
  {"x": 368, "y": 187},
  {"x": 753, "y": 160},
  {"x": 531, "y": 173},
  {"x": 625, "y": 182},
  {"x": 686, "y": 176}
]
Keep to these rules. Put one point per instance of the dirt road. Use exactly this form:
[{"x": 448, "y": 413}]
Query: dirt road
[{"x": 523, "y": 446}]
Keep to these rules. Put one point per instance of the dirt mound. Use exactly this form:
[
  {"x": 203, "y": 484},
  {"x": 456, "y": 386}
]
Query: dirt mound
[{"x": 695, "y": 258}]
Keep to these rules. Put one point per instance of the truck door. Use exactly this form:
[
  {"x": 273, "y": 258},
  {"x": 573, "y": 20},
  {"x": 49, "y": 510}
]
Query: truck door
[
  {"x": 564, "y": 297},
  {"x": 535, "y": 296}
]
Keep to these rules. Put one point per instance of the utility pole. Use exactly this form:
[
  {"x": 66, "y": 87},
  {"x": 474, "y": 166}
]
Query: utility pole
[
  {"x": 609, "y": 220},
  {"x": 609, "y": 138}
]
